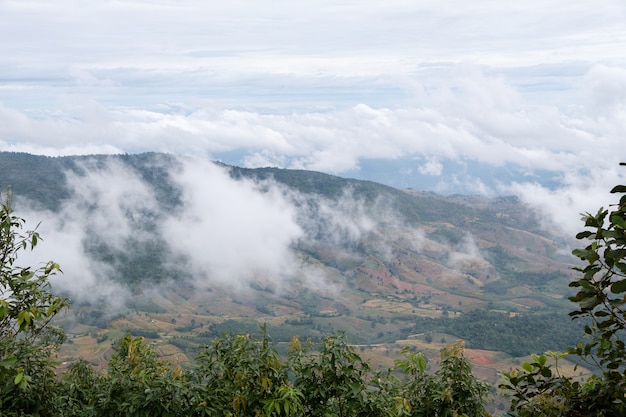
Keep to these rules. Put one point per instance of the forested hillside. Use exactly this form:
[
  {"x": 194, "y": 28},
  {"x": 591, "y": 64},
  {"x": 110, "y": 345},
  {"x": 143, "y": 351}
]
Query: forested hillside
[
  {"x": 379, "y": 263},
  {"x": 231, "y": 376},
  {"x": 183, "y": 250}
]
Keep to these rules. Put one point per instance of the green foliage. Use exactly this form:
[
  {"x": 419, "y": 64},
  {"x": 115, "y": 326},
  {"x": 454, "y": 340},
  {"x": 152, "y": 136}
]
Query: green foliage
[
  {"x": 517, "y": 335},
  {"x": 335, "y": 381},
  {"x": 538, "y": 389},
  {"x": 39, "y": 178},
  {"x": 27, "y": 337},
  {"x": 80, "y": 390},
  {"x": 451, "y": 391},
  {"x": 139, "y": 384},
  {"x": 242, "y": 376},
  {"x": 534, "y": 388},
  {"x": 136, "y": 383},
  {"x": 602, "y": 284}
]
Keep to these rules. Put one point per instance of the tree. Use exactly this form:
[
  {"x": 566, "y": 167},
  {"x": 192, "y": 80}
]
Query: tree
[
  {"x": 451, "y": 391},
  {"x": 243, "y": 376},
  {"x": 28, "y": 339},
  {"x": 140, "y": 384},
  {"x": 335, "y": 381},
  {"x": 539, "y": 389},
  {"x": 81, "y": 391}
]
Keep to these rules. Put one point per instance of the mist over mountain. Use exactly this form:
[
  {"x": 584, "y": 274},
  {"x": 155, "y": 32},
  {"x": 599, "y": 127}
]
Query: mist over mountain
[{"x": 172, "y": 235}]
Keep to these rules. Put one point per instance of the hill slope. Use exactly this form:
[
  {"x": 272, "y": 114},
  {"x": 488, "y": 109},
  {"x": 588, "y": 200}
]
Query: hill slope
[{"x": 181, "y": 250}]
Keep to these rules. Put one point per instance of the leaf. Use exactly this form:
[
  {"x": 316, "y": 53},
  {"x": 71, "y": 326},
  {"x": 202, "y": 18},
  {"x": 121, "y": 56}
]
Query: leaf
[
  {"x": 586, "y": 254},
  {"x": 618, "y": 189},
  {"x": 541, "y": 359},
  {"x": 611, "y": 255},
  {"x": 618, "y": 221},
  {"x": 618, "y": 287},
  {"x": 583, "y": 235},
  {"x": 8, "y": 362},
  {"x": 407, "y": 404},
  {"x": 589, "y": 303},
  {"x": 18, "y": 378}
]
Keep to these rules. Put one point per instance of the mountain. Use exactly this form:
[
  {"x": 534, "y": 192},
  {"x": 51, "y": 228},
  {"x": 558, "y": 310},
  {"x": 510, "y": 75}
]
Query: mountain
[{"x": 181, "y": 250}]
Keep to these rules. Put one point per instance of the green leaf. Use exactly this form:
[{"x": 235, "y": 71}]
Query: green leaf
[
  {"x": 589, "y": 303},
  {"x": 584, "y": 235},
  {"x": 618, "y": 221},
  {"x": 618, "y": 287},
  {"x": 586, "y": 254},
  {"x": 618, "y": 189},
  {"x": 18, "y": 378},
  {"x": 615, "y": 254},
  {"x": 5, "y": 363}
]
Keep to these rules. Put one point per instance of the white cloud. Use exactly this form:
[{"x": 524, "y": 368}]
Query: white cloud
[
  {"x": 606, "y": 87},
  {"x": 537, "y": 85},
  {"x": 583, "y": 192},
  {"x": 431, "y": 167},
  {"x": 106, "y": 204},
  {"x": 472, "y": 122},
  {"x": 124, "y": 52},
  {"x": 230, "y": 231},
  {"x": 338, "y": 223},
  {"x": 466, "y": 252}
]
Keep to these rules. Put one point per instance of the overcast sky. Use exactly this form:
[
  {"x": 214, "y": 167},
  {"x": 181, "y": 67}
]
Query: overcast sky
[{"x": 483, "y": 96}]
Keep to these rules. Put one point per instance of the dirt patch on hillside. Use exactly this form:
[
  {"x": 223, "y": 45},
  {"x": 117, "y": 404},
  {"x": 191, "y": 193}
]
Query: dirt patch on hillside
[{"x": 480, "y": 357}]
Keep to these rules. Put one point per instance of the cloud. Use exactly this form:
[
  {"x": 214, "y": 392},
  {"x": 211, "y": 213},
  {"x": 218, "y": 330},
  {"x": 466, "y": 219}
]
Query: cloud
[
  {"x": 231, "y": 232},
  {"x": 469, "y": 117},
  {"x": 305, "y": 38},
  {"x": 606, "y": 87},
  {"x": 337, "y": 223},
  {"x": 107, "y": 204},
  {"x": 431, "y": 167},
  {"x": 583, "y": 192},
  {"x": 532, "y": 87},
  {"x": 228, "y": 233},
  {"x": 466, "y": 252},
  {"x": 224, "y": 233}
]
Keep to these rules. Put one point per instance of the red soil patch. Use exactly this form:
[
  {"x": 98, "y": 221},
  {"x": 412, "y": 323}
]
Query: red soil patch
[
  {"x": 481, "y": 360},
  {"x": 478, "y": 357}
]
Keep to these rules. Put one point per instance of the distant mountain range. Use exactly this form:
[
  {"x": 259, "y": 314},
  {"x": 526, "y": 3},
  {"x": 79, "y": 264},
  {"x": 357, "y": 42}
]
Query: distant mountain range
[{"x": 180, "y": 249}]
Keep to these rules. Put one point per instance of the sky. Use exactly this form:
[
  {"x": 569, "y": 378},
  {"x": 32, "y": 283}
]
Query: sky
[{"x": 483, "y": 97}]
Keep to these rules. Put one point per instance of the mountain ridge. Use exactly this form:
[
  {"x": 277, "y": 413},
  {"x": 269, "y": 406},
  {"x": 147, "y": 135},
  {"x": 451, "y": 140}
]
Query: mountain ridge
[{"x": 376, "y": 262}]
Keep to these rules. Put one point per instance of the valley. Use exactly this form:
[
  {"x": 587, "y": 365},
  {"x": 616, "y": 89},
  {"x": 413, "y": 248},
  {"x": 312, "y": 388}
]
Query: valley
[{"x": 386, "y": 267}]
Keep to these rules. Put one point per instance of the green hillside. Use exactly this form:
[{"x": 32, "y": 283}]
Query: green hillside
[{"x": 427, "y": 266}]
